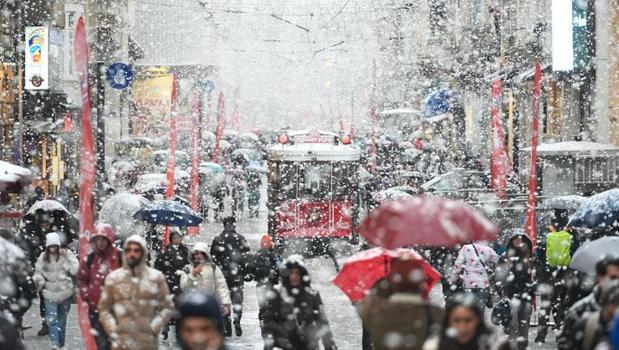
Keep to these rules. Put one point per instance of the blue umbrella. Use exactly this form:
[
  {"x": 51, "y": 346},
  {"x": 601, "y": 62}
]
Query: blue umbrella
[
  {"x": 166, "y": 212},
  {"x": 438, "y": 104},
  {"x": 600, "y": 211}
]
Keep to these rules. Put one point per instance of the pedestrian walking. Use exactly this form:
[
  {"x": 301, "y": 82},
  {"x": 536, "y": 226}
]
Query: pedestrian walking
[
  {"x": 204, "y": 276},
  {"x": 595, "y": 329},
  {"x": 265, "y": 271},
  {"x": 135, "y": 302},
  {"x": 54, "y": 274},
  {"x": 607, "y": 269},
  {"x": 174, "y": 258},
  {"x": 200, "y": 323},
  {"x": 514, "y": 274},
  {"x": 294, "y": 316},
  {"x": 254, "y": 181},
  {"x": 464, "y": 328},
  {"x": 399, "y": 305},
  {"x": 229, "y": 251},
  {"x": 103, "y": 259},
  {"x": 474, "y": 268},
  {"x": 553, "y": 257}
]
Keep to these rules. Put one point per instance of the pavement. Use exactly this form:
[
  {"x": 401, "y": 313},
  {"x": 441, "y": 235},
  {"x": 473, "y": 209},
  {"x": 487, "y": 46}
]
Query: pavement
[{"x": 343, "y": 319}]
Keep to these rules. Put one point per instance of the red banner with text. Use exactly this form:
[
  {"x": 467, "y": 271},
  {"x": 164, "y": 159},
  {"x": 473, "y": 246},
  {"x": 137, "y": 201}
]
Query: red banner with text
[
  {"x": 531, "y": 223},
  {"x": 194, "y": 186},
  {"x": 500, "y": 166}
]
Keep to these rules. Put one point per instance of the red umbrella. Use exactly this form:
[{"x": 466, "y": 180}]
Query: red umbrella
[
  {"x": 425, "y": 221},
  {"x": 361, "y": 271}
]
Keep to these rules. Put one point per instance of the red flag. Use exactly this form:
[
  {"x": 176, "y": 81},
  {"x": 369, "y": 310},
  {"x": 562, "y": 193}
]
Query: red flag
[
  {"x": 500, "y": 166},
  {"x": 67, "y": 122},
  {"x": 220, "y": 125},
  {"x": 171, "y": 152},
  {"x": 531, "y": 223},
  {"x": 374, "y": 148},
  {"x": 88, "y": 171},
  {"x": 194, "y": 198}
]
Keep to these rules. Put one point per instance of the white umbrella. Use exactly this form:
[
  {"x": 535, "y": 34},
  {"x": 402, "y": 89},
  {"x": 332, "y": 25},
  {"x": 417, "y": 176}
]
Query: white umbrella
[
  {"x": 47, "y": 205},
  {"x": 118, "y": 211},
  {"x": 589, "y": 254},
  {"x": 11, "y": 174}
]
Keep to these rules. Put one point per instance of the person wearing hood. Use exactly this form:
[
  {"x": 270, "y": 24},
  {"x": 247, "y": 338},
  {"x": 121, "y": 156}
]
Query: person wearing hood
[
  {"x": 229, "y": 251},
  {"x": 199, "y": 322},
  {"x": 135, "y": 302},
  {"x": 514, "y": 276},
  {"x": 54, "y": 273},
  {"x": 103, "y": 259},
  {"x": 464, "y": 328},
  {"x": 294, "y": 315},
  {"x": 204, "y": 276},
  {"x": 607, "y": 269},
  {"x": 399, "y": 305}
]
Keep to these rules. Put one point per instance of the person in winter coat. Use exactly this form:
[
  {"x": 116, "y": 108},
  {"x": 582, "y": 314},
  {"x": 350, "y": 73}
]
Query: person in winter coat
[
  {"x": 135, "y": 302},
  {"x": 464, "y": 317},
  {"x": 229, "y": 251},
  {"x": 15, "y": 301},
  {"x": 607, "y": 269},
  {"x": 553, "y": 255},
  {"x": 514, "y": 274},
  {"x": 265, "y": 271},
  {"x": 399, "y": 305},
  {"x": 174, "y": 258},
  {"x": 103, "y": 259},
  {"x": 474, "y": 266},
  {"x": 595, "y": 329},
  {"x": 54, "y": 273},
  {"x": 204, "y": 276},
  {"x": 294, "y": 316},
  {"x": 9, "y": 331},
  {"x": 199, "y": 322}
]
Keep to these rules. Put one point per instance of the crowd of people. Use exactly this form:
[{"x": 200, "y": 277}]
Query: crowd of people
[{"x": 136, "y": 297}]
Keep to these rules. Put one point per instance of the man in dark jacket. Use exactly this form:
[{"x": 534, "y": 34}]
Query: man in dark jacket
[
  {"x": 174, "y": 258},
  {"x": 514, "y": 275},
  {"x": 294, "y": 316},
  {"x": 607, "y": 269},
  {"x": 229, "y": 251},
  {"x": 104, "y": 259}
]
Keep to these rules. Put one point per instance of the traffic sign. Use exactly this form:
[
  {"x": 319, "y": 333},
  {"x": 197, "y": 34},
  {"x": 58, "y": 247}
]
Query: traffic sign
[
  {"x": 208, "y": 86},
  {"x": 119, "y": 75}
]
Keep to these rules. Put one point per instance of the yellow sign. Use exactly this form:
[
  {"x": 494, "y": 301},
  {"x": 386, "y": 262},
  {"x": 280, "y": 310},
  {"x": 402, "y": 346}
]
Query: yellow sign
[{"x": 152, "y": 95}]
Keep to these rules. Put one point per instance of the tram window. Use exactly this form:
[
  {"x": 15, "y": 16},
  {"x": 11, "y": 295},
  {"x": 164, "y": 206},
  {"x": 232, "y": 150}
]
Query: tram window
[
  {"x": 315, "y": 180},
  {"x": 344, "y": 178},
  {"x": 285, "y": 179}
]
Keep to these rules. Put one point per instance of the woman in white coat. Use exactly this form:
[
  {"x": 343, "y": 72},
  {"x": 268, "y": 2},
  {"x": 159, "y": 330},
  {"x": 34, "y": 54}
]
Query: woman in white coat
[
  {"x": 203, "y": 275},
  {"x": 54, "y": 275}
]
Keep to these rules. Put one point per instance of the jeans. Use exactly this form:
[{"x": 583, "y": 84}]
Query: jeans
[
  {"x": 56, "y": 319},
  {"x": 481, "y": 296},
  {"x": 518, "y": 329},
  {"x": 101, "y": 338}
]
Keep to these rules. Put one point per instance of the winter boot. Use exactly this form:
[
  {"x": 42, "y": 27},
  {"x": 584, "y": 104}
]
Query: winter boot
[
  {"x": 237, "y": 328},
  {"x": 44, "y": 331}
]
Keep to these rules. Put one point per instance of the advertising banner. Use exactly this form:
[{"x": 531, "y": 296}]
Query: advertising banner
[
  {"x": 37, "y": 58},
  {"x": 531, "y": 223}
]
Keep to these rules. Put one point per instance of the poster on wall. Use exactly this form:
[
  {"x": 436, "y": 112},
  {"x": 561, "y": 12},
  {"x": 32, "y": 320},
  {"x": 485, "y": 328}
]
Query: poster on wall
[{"x": 37, "y": 58}]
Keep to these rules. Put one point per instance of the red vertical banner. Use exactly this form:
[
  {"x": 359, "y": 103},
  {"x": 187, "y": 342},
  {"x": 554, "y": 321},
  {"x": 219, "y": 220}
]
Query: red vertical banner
[
  {"x": 171, "y": 151},
  {"x": 194, "y": 186},
  {"x": 531, "y": 223},
  {"x": 500, "y": 165},
  {"x": 88, "y": 171},
  {"x": 220, "y": 125},
  {"x": 209, "y": 109},
  {"x": 374, "y": 149}
]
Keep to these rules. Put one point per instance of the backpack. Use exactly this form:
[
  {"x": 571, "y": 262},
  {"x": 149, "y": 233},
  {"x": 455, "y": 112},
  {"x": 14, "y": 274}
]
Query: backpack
[{"x": 558, "y": 248}]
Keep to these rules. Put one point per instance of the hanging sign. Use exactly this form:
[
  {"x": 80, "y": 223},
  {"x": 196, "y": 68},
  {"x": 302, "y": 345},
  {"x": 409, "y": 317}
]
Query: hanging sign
[{"x": 37, "y": 58}]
